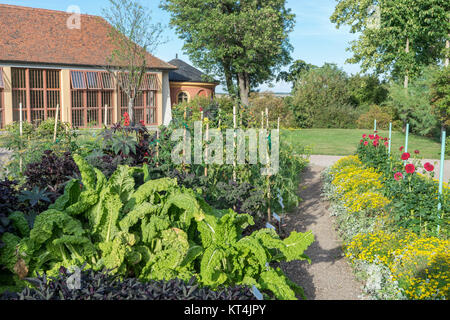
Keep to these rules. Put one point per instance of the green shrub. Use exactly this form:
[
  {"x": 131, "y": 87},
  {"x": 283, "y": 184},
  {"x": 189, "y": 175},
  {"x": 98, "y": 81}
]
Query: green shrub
[
  {"x": 383, "y": 117},
  {"x": 342, "y": 116},
  {"x": 277, "y": 108},
  {"x": 46, "y": 128}
]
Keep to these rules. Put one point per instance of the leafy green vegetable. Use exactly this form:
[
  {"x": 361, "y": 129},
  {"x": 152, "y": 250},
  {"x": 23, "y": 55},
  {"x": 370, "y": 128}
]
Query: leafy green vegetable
[{"x": 153, "y": 231}]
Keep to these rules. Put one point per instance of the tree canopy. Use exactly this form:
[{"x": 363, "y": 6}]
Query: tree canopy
[
  {"x": 397, "y": 37},
  {"x": 243, "y": 42}
]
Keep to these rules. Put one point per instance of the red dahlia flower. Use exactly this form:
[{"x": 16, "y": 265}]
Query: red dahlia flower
[
  {"x": 364, "y": 136},
  {"x": 406, "y": 156},
  {"x": 366, "y": 143},
  {"x": 386, "y": 144},
  {"x": 375, "y": 143},
  {"x": 401, "y": 148},
  {"x": 398, "y": 176},
  {"x": 410, "y": 168},
  {"x": 416, "y": 151},
  {"x": 429, "y": 167},
  {"x": 371, "y": 136}
]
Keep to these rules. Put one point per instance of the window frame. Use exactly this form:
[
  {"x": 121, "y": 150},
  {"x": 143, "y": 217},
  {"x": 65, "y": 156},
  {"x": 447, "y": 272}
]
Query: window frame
[
  {"x": 90, "y": 92},
  {"x": 184, "y": 93},
  {"x": 36, "y": 96}
]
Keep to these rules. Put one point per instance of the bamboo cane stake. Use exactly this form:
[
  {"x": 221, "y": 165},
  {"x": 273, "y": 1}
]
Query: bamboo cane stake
[
  {"x": 184, "y": 139},
  {"x": 21, "y": 134},
  {"x": 441, "y": 178},
  {"x": 106, "y": 115},
  {"x": 390, "y": 137},
  {"x": 157, "y": 147},
  {"x": 56, "y": 123},
  {"x": 206, "y": 149},
  {"x": 262, "y": 120},
  {"x": 234, "y": 143},
  {"x": 269, "y": 214}
]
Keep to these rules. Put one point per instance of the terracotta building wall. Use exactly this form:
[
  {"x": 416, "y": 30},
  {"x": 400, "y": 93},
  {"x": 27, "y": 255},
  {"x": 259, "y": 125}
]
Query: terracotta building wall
[{"x": 192, "y": 91}]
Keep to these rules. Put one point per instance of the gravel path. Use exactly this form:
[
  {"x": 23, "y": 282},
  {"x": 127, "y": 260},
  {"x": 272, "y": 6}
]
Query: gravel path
[{"x": 329, "y": 276}]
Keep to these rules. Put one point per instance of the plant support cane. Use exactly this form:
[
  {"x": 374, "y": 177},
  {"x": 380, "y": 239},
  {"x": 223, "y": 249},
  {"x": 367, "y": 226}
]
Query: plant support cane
[
  {"x": 21, "y": 134},
  {"x": 269, "y": 214},
  {"x": 441, "y": 179},
  {"x": 234, "y": 143},
  {"x": 390, "y": 137},
  {"x": 184, "y": 140},
  {"x": 106, "y": 116}
]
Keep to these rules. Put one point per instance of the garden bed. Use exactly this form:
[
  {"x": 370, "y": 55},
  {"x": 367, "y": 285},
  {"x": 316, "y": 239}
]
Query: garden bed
[
  {"x": 387, "y": 214},
  {"x": 116, "y": 202}
]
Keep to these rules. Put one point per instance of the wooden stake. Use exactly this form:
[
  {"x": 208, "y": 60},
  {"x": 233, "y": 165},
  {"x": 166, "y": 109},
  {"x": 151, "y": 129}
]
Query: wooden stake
[
  {"x": 206, "y": 148},
  {"x": 269, "y": 216},
  {"x": 234, "y": 143},
  {"x": 262, "y": 120},
  {"x": 106, "y": 115},
  {"x": 21, "y": 134},
  {"x": 184, "y": 139},
  {"x": 56, "y": 123},
  {"x": 157, "y": 147}
]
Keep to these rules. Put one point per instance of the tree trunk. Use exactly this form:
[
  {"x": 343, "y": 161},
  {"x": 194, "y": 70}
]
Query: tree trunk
[
  {"x": 131, "y": 109},
  {"x": 244, "y": 88},
  {"x": 406, "y": 74},
  {"x": 406, "y": 82},
  {"x": 229, "y": 80}
]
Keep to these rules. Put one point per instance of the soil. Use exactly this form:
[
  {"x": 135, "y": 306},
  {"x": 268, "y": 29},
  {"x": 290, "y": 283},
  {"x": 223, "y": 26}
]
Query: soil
[{"x": 329, "y": 276}]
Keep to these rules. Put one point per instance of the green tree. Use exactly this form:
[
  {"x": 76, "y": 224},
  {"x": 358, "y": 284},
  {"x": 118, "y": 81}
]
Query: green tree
[
  {"x": 397, "y": 37},
  {"x": 321, "y": 99},
  {"x": 414, "y": 107},
  {"x": 133, "y": 37},
  {"x": 296, "y": 70},
  {"x": 440, "y": 95},
  {"x": 243, "y": 42},
  {"x": 366, "y": 90}
]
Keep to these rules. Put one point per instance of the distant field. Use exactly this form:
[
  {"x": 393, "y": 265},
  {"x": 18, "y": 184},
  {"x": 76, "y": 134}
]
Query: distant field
[{"x": 343, "y": 142}]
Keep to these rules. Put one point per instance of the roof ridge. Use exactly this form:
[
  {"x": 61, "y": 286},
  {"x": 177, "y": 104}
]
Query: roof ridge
[{"x": 45, "y": 10}]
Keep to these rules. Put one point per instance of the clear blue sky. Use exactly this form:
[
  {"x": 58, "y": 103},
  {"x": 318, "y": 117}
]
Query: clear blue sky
[{"x": 315, "y": 39}]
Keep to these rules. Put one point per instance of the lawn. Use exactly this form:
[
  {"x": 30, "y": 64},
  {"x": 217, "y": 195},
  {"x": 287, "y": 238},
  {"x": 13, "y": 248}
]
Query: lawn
[{"x": 343, "y": 142}]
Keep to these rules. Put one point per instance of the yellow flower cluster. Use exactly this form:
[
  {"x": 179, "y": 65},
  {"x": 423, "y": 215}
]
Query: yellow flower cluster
[
  {"x": 420, "y": 265},
  {"x": 358, "y": 187}
]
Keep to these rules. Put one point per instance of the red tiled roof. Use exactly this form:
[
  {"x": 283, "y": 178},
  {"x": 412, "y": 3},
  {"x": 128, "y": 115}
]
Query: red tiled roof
[{"x": 42, "y": 36}]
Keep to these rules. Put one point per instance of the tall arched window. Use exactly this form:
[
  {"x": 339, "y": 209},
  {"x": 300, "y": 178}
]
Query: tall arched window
[{"x": 183, "y": 97}]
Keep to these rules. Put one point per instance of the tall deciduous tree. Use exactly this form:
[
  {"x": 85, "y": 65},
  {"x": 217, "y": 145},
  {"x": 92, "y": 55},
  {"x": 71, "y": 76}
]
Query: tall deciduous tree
[
  {"x": 133, "y": 37},
  {"x": 405, "y": 36},
  {"x": 296, "y": 70},
  {"x": 243, "y": 42}
]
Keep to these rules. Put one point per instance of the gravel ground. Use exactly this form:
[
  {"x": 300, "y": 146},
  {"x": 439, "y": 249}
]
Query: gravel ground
[{"x": 329, "y": 276}]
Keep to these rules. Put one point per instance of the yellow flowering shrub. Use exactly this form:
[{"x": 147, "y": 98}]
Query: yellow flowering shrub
[
  {"x": 357, "y": 186},
  {"x": 420, "y": 265}
]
